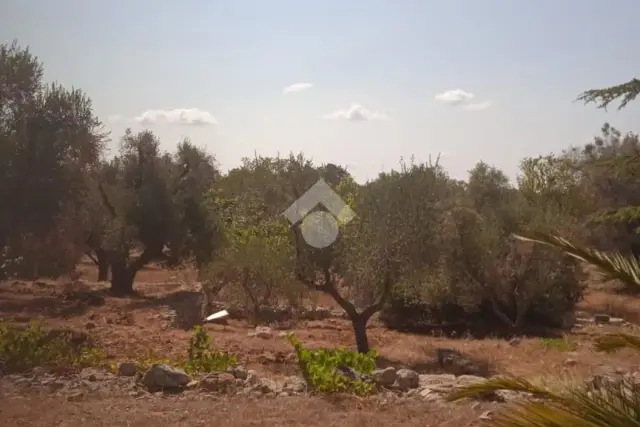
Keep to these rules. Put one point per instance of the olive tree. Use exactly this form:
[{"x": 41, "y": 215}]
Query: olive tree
[
  {"x": 391, "y": 241},
  {"x": 50, "y": 140},
  {"x": 151, "y": 207}
]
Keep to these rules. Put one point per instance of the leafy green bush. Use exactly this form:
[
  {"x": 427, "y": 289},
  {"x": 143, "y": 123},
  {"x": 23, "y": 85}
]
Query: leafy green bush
[
  {"x": 320, "y": 368},
  {"x": 202, "y": 359},
  {"x": 23, "y": 349}
]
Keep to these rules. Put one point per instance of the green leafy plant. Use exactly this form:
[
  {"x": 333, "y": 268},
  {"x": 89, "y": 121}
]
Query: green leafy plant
[
  {"x": 23, "y": 349},
  {"x": 201, "y": 358},
  {"x": 320, "y": 368}
]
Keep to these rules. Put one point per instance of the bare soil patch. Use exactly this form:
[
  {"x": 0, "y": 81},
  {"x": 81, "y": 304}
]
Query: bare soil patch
[{"x": 127, "y": 330}]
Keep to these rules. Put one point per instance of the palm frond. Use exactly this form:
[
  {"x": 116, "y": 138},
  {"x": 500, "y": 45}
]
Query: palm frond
[
  {"x": 613, "y": 265},
  {"x": 614, "y": 342},
  {"x": 502, "y": 383},
  {"x": 614, "y": 404}
]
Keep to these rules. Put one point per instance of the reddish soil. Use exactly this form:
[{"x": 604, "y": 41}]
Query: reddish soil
[{"x": 129, "y": 328}]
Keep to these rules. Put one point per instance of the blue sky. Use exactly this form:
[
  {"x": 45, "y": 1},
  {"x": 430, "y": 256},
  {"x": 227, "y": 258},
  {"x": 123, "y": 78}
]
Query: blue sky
[{"x": 507, "y": 72}]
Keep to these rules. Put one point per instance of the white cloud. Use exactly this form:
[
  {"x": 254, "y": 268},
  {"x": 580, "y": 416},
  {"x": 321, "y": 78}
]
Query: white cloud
[
  {"x": 356, "y": 113},
  {"x": 296, "y": 87},
  {"x": 477, "y": 107},
  {"x": 179, "y": 116},
  {"x": 461, "y": 98},
  {"x": 114, "y": 118},
  {"x": 454, "y": 96}
]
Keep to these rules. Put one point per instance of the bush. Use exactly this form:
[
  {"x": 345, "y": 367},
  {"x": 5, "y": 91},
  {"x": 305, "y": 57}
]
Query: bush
[
  {"x": 201, "y": 358},
  {"x": 320, "y": 368},
  {"x": 485, "y": 277},
  {"x": 23, "y": 349}
]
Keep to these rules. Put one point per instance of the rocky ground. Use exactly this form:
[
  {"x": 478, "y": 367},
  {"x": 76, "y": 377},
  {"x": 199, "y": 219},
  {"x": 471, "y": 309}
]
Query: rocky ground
[{"x": 267, "y": 388}]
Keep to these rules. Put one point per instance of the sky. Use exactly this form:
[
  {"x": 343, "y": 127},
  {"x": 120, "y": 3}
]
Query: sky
[{"x": 358, "y": 83}]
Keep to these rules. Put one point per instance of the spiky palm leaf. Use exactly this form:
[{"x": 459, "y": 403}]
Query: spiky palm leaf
[
  {"x": 615, "y": 404},
  {"x": 612, "y": 265}
]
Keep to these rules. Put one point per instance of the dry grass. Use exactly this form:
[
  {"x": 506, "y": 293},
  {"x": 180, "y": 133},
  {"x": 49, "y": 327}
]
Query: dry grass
[
  {"x": 236, "y": 412},
  {"x": 128, "y": 328},
  {"x": 624, "y": 306}
]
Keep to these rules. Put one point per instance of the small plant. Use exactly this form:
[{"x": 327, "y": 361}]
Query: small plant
[
  {"x": 202, "y": 359},
  {"x": 23, "y": 349},
  {"x": 319, "y": 368},
  {"x": 561, "y": 344}
]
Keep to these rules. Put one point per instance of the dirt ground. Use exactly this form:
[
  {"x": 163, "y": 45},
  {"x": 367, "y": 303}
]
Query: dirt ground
[{"x": 128, "y": 328}]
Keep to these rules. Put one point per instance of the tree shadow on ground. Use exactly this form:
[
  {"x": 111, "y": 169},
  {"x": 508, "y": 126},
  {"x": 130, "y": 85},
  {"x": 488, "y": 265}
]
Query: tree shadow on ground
[
  {"x": 64, "y": 305},
  {"x": 476, "y": 330},
  {"x": 188, "y": 307}
]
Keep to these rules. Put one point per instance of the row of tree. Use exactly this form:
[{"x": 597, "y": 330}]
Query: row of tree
[{"x": 424, "y": 248}]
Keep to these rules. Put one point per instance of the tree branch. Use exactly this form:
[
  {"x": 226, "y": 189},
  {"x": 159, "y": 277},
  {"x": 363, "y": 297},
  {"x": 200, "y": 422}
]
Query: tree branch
[
  {"x": 603, "y": 97},
  {"x": 106, "y": 202},
  {"x": 148, "y": 254},
  {"x": 92, "y": 258}
]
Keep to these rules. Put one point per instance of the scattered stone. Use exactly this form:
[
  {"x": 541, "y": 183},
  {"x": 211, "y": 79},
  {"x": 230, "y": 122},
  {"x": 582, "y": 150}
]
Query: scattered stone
[
  {"x": 252, "y": 378},
  {"x": 161, "y": 376},
  {"x": 616, "y": 321},
  {"x": 267, "y": 385},
  {"x": 218, "y": 382},
  {"x": 486, "y": 415},
  {"x": 263, "y": 332},
  {"x": 127, "y": 369},
  {"x": 385, "y": 377},
  {"x": 239, "y": 372},
  {"x": 602, "y": 318},
  {"x": 514, "y": 342},
  {"x": 295, "y": 385},
  {"x": 465, "y": 380},
  {"x": 570, "y": 362},
  {"x": 407, "y": 379},
  {"x": 432, "y": 380},
  {"x": 90, "y": 325}
]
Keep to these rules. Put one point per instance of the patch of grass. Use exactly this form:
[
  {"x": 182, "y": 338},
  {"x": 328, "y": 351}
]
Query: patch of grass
[
  {"x": 21, "y": 350},
  {"x": 561, "y": 344}
]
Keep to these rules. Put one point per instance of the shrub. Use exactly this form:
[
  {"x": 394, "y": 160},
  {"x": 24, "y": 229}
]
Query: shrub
[
  {"x": 320, "y": 368},
  {"x": 201, "y": 358},
  {"x": 23, "y": 349}
]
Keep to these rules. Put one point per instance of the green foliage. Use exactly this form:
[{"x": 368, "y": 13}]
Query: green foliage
[
  {"x": 560, "y": 344},
  {"x": 201, "y": 358},
  {"x": 603, "y": 97},
  {"x": 481, "y": 275},
  {"x": 23, "y": 349},
  {"x": 319, "y": 368},
  {"x": 49, "y": 139}
]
